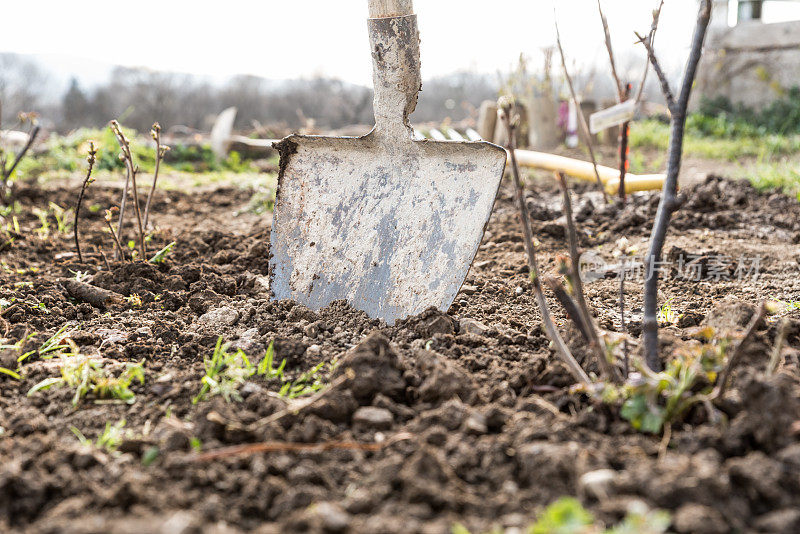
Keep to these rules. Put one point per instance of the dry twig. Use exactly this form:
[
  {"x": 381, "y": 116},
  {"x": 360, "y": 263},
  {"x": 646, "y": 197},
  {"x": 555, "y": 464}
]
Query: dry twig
[
  {"x": 581, "y": 118},
  {"x": 161, "y": 151},
  {"x": 561, "y": 348},
  {"x": 610, "y": 49},
  {"x": 88, "y": 180},
  {"x": 119, "y": 251},
  {"x": 21, "y": 154},
  {"x": 775, "y": 357}
]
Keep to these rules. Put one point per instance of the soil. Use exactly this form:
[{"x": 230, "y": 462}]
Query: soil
[{"x": 472, "y": 410}]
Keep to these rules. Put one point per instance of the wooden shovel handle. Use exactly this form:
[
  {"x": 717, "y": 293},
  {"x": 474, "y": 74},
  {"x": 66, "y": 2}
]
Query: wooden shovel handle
[{"x": 381, "y": 9}]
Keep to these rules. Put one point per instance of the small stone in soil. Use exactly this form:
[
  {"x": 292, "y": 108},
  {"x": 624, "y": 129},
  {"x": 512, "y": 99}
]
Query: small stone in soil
[
  {"x": 374, "y": 418},
  {"x": 471, "y": 326},
  {"x": 469, "y": 290},
  {"x": 224, "y": 316},
  {"x": 597, "y": 484}
]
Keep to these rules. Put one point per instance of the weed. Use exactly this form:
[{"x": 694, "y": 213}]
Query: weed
[
  {"x": 109, "y": 440},
  {"x": 308, "y": 383},
  {"x": 225, "y": 373},
  {"x": 161, "y": 255},
  {"x": 9, "y": 372},
  {"x": 666, "y": 314},
  {"x": 568, "y": 516},
  {"x": 134, "y": 300},
  {"x": 90, "y": 378},
  {"x": 650, "y": 400},
  {"x": 150, "y": 455}
]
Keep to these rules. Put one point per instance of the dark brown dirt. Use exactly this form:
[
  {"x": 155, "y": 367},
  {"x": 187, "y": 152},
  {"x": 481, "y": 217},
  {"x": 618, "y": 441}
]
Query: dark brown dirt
[{"x": 479, "y": 423}]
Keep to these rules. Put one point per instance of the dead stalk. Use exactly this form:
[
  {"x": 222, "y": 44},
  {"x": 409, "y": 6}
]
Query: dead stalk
[
  {"x": 91, "y": 158},
  {"x": 125, "y": 146},
  {"x": 561, "y": 348},
  {"x": 161, "y": 151},
  {"x": 596, "y": 343},
  {"x": 610, "y": 49},
  {"x": 567, "y": 302},
  {"x": 725, "y": 375},
  {"x": 651, "y": 37},
  {"x": 120, "y": 252},
  {"x": 587, "y": 136},
  {"x": 669, "y": 198},
  {"x": 122, "y": 207},
  {"x": 775, "y": 357}
]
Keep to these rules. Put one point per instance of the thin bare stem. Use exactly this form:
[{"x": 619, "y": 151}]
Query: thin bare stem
[
  {"x": 610, "y": 49},
  {"x": 125, "y": 146},
  {"x": 597, "y": 345},
  {"x": 652, "y": 41},
  {"x": 161, "y": 151},
  {"x": 120, "y": 253},
  {"x": 122, "y": 207},
  {"x": 670, "y": 201},
  {"x": 587, "y": 136},
  {"x": 561, "y": 348},
  {"x": 775, "y": 357},
  {"x": 624, "y": 132},
  {"x": 568, "y": 303},
  {"x": 88, "y": 180},
  {"x": 623, "y": 325},
  {"x": 724, "y": 376},
  {"x": 21, "y": 154}
]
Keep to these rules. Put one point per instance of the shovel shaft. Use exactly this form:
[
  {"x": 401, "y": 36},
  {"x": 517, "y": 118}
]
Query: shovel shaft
[
  {"x": 379, "y": 9},
  {"x": 396, "y": 75}
]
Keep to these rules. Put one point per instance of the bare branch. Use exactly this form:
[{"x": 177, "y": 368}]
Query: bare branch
[
  {"x": 652, "y": 41},
  {"x": 662, "y": 78},
  {"x": 161, "y": 151},
  {"x": 581, "y": 119},
  {"x": 561, "y": 348},
  {"x": 8, "y": 172},
  {"x": 670, "y": 201},
  {"x": 90, "y": 159},
  {"x": 610, "y": 49}
]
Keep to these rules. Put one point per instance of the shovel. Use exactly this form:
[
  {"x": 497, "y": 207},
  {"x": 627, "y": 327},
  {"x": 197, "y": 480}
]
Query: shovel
[{"x": 385, "y": 222}]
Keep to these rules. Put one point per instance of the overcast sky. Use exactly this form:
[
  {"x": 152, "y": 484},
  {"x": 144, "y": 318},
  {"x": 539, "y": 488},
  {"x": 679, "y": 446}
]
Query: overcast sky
[{"x": 286, "y": 39}]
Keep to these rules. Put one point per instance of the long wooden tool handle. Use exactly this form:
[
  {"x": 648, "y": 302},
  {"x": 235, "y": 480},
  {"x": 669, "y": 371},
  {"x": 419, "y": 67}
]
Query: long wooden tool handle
[{"x": 381, "y": 9}]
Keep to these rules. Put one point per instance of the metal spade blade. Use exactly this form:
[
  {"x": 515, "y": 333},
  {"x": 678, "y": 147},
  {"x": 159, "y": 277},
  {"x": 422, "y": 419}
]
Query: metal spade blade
[{"x": 385, "y": 222}]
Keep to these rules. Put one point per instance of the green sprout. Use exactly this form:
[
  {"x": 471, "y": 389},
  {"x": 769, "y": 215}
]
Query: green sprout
[
  {"x": 226, "y": 372},
  {"x": 90, "y": 378},
  {"x": 666, "y": 314},
  {"x": 161, "y": 255},
  {"x": 109, "y": 440}
]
